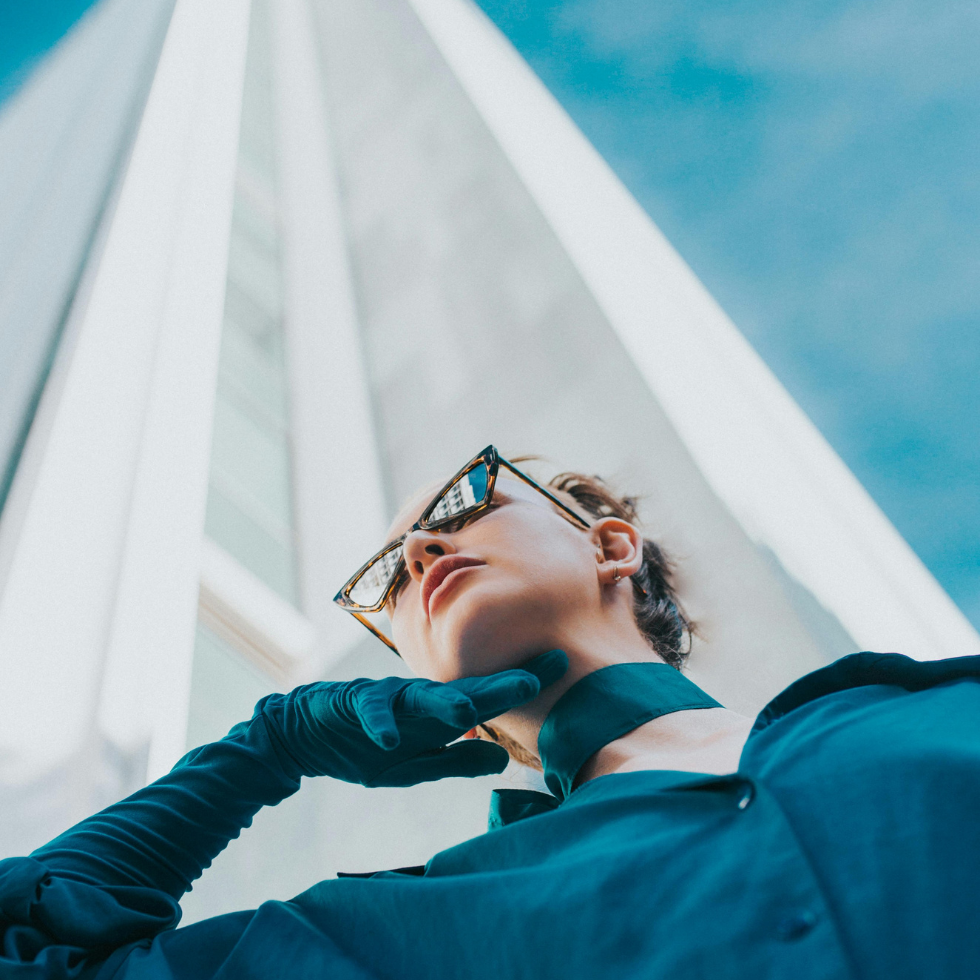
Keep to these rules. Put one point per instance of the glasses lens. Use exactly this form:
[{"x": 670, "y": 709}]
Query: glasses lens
[
  {"x": 370, "y": 587},
  {"x": 469, "y": 491}
]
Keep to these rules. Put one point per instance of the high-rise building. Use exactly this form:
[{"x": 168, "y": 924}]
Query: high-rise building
[{"x": 269, "y": 265}]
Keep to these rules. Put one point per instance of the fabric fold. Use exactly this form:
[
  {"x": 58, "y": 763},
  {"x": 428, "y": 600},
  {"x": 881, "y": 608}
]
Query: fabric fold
[
  {"x": 116, "y": 877},
  {"x": 605, "y": 705}
]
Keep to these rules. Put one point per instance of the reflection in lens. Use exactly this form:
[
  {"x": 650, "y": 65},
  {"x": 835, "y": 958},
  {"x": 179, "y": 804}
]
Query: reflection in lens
[
  {"x": 468, "y": 491},
  {"x": 370, "y": 587}
]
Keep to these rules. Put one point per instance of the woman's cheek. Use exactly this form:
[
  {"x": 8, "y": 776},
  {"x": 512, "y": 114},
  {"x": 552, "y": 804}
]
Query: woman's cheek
[{"x": 410, "y": 638}]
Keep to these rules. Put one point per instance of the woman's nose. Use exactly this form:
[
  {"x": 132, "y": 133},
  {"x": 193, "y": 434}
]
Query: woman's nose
[{"x": 422, "y": 548}]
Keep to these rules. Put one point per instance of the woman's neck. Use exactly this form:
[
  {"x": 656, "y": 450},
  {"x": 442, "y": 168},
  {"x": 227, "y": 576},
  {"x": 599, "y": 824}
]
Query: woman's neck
[
  {"x": 707, "y": 740},
  {"x": 704, "y": 740}
]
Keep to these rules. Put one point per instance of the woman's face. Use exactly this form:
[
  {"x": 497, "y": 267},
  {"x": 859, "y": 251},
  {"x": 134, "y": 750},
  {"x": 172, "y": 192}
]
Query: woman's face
[{"x": 501, "y": 589}]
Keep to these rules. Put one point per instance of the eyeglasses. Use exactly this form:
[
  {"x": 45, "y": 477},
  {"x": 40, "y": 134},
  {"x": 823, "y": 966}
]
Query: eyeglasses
[{"x": 468, "y": 493}]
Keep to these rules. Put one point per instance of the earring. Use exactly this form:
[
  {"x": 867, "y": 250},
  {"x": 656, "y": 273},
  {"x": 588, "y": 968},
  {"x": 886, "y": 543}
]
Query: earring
[{"x": 617, "y": 576}]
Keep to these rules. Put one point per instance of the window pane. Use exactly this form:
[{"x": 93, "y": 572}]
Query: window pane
[
  {"x": 244, "y": 314},
  {"x": 255, "y": 221},
  {"x": 256, "y": 273},
  {"x": 265, "y": 553},
  {"x": 247, "y": 372},
  {"x": 250, "y": 508},
  {"x": 224, "y": 689},
  {"x": 252, "y": 460}
]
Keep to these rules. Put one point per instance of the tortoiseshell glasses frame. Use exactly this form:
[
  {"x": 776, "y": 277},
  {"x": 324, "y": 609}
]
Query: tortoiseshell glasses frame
[{"x": 468, "y": 493}]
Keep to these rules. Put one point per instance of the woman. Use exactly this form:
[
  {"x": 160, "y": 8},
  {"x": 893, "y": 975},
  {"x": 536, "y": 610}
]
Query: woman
[{"x": 835, "y": 837}]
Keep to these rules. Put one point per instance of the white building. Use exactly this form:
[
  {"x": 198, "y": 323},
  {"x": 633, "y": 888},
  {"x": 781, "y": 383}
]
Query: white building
[{"x": 266, "y": 267}]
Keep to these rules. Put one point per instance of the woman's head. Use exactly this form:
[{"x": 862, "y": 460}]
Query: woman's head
[
  {"x": 524, "y": 577},
  {"x": 656, "y": 608}
]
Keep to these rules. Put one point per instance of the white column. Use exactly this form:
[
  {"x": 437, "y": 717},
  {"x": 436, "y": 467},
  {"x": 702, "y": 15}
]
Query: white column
[
  {"x": 153, "y": 626},
  {"x": 340, "y": 511},
  {"x": 103, "y": 566}
]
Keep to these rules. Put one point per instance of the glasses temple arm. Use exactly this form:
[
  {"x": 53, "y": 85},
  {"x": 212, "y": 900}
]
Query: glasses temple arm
[
  {"x": 537, "y": 486},
  {"x": 384, "y": 639}
]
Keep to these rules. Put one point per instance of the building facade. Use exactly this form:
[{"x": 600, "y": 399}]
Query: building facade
[{"x": 279, "y": 263}]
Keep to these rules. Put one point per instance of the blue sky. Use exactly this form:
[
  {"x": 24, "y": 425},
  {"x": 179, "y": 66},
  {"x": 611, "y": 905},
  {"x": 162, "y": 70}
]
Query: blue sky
[
  {"x": 28, "y": 28},
  {"x": 818, "y": 165}
]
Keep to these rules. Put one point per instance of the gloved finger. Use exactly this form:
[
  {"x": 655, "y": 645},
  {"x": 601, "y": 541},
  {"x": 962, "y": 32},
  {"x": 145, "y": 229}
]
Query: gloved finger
[
  {"x": 428, "y": 699},
  {"x": 548, "y": 667},
  {"x": 497, "y": 693},
  {"x": 376, "y": 713},
  {"x": 469, "y": 759}
]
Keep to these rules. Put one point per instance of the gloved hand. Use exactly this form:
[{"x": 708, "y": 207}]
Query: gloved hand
[{"x": 395, "y": 731}]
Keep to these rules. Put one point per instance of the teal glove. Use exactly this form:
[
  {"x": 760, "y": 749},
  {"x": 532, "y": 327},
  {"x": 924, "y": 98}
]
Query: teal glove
[{"x": 396, "y": 731}]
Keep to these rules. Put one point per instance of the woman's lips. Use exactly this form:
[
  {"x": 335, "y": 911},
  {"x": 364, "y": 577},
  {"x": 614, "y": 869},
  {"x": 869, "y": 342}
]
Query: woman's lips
[{"x": 439, "y": 571}]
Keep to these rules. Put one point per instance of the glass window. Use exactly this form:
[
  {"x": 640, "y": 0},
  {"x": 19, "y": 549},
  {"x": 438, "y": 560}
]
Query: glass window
[
  {"x": 250, "y": 505},
  {"x": 224, "y": 689}
]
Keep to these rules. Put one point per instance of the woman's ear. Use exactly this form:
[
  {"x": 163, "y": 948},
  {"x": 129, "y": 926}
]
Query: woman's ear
[{"x": 619, "y": 549}]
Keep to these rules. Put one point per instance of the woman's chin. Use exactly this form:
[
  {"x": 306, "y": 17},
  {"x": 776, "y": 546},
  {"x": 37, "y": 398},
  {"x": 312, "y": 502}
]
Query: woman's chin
[
  {"x": 486, "y": 650},
  {"x": 479, "y": 634}
]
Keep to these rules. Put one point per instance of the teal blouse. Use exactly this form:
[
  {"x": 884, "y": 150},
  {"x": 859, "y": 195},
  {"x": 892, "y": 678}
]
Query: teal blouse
[{"x": 846, "y": 845}]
